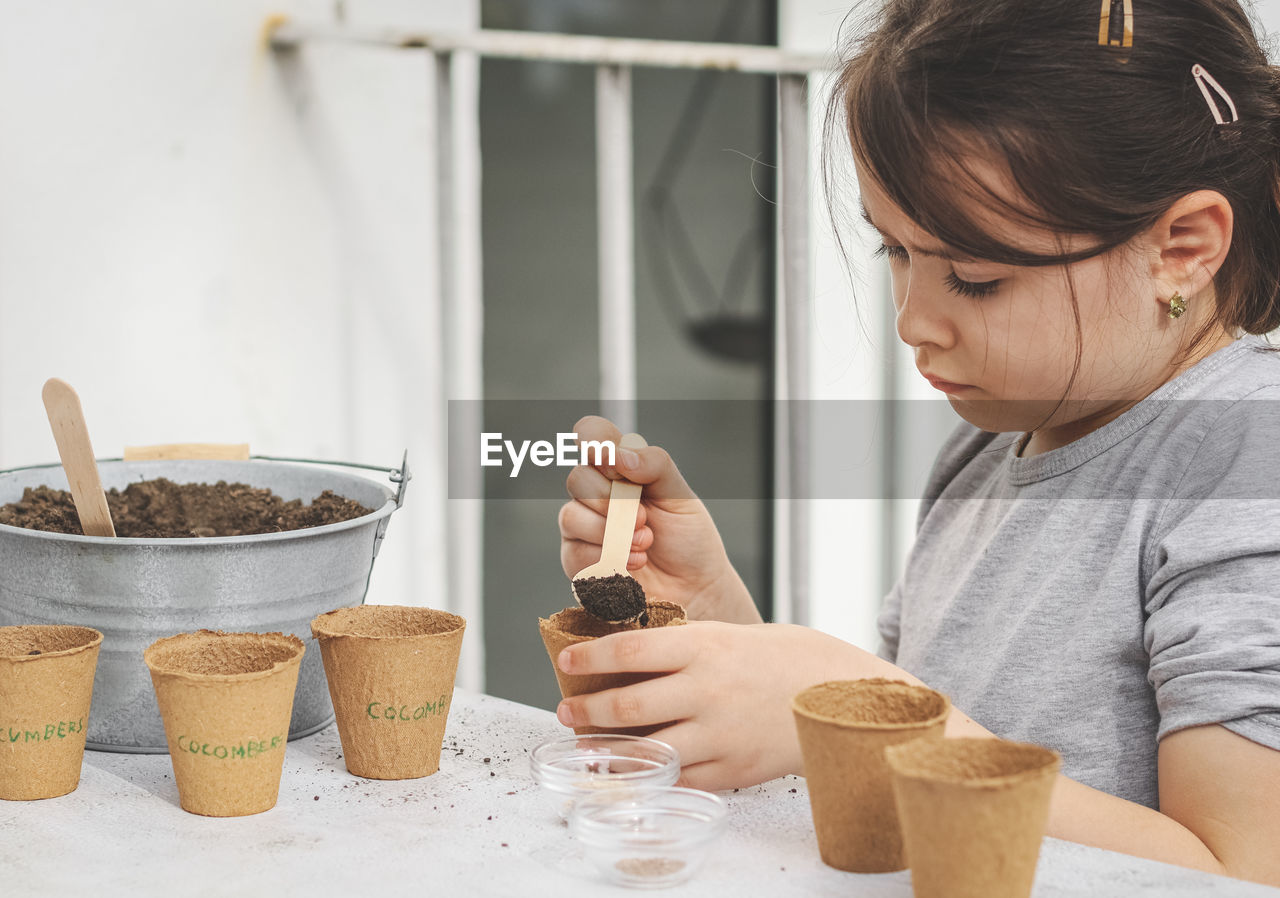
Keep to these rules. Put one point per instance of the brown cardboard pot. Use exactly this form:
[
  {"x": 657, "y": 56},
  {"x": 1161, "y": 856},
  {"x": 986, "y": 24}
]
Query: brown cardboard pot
[
  {"x": 390, "y": 670},
  {"x": 844, "y": 727},
  {"x": 574, "y": 625},
  {"x": 973, "y": 814},
  {"x": 226, "y": 699},
  {"x": 46, "y": 686}
]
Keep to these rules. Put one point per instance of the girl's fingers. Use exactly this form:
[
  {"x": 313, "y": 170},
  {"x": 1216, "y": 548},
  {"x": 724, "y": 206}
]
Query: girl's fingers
[
  {"x": 659, "y": 650},
  {"x": 590, "y": 489},
  {"x": 577, "y": 522},
  {"x": 645, "y": 703},
  {"x": 576, "y": 555},
  {"x": 588, "y": 486},
  {"x": 582, "y": 532},
  {"x": 709, "y": 776},
  {"x": 691, "y": 739},
  {"x": 651, "y": 466},
  {"x": 594, "y": 429},
  {"x": 722, "y": 770}
]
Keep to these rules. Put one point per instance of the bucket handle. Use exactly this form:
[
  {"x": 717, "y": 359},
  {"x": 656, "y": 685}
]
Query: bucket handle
[{"x": 400, "y": 475}]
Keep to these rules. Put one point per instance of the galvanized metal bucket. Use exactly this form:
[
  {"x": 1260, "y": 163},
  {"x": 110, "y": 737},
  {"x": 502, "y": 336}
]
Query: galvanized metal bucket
[{"x": 138, "y": 590}]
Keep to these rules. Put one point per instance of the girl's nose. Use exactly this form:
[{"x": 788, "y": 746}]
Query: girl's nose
[{"x": 922, "y": 319}]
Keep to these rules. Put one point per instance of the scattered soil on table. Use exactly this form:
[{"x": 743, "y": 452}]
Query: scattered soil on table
[{"x": 160, "y": 509}]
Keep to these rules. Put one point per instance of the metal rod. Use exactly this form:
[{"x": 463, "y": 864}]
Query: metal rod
[
  {"x": 461, "y": 325},
  {"x": 795, "y": 308},
  {"x": 615, "y": 204},
  {"x": 569, "y": 48},
  {"x": 894, "y": 426}
]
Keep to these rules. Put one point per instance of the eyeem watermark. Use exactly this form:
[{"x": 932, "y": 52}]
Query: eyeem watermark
[{"x": 565, "y": 452}]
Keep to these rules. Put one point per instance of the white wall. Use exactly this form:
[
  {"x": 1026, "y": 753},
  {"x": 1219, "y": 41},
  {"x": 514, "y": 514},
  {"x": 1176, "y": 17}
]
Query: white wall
[
  {"x": 211, "y": 246},
  {"x": 850, "y": 357}
]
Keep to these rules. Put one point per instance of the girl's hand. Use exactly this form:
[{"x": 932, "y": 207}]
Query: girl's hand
[
  {"x": 728, "y": 689},
  {"x": 676, "y": 552}
]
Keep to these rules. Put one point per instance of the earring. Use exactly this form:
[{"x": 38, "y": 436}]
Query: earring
[{"x": 1177, "y": 305}]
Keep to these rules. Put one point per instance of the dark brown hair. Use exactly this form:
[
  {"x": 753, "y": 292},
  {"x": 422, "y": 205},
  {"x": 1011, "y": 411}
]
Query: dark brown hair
[{"x": 1099, "y": 140}]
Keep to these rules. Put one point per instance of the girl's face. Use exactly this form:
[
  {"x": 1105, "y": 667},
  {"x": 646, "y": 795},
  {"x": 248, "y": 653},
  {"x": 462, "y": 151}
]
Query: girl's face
[{"x": 1001, "y": 341}]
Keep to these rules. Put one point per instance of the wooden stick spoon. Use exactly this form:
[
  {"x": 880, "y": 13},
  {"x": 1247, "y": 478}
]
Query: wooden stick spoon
[
  {"x": 66, "y": 417},
  {"x": 606, "y": 589}
]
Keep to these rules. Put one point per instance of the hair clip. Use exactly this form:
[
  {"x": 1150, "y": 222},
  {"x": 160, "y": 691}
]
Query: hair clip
[
  {"x": 1104, "y": 25},
  {"x": 1204, "y": 81}
]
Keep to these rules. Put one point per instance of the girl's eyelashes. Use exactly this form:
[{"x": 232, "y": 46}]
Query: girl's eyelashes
[
  {"x": 973, "y": 289},
  {"x": 892, "y": 253}
]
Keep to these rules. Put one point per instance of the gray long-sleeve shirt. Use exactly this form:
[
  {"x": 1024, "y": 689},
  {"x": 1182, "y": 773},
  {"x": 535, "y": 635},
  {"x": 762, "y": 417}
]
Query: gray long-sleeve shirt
[{"x": 1097, "y": 597}]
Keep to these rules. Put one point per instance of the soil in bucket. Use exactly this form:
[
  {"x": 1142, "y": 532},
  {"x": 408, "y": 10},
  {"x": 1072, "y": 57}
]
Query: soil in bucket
[
  {"x": 575, "y": 624},
  {"x": 225, "y": 699},
  {"x": 46, "y": 686},
  {"x": 973, "y": 814},
  {"x": 391, "y": 670},
  {"x": 844, "y": 727},
  {"x": 162, "y": 509}
]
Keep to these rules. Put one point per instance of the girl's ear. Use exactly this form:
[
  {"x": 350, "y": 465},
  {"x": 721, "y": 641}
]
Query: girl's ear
[{"x": 1190, "y": 241}]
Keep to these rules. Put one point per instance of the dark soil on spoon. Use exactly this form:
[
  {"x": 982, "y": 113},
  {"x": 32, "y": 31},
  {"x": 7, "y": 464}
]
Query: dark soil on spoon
[
  {"x": 160, "y": 509},
  {"x": 613, "y": 598}
]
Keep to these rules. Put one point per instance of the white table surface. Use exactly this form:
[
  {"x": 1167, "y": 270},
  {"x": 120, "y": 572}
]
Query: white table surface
[{"x": 477, "y": 827}]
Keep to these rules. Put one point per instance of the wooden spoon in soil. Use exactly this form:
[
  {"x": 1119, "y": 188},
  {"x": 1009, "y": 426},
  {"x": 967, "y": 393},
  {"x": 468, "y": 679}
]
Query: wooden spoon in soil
[
  {"x": 66, "y": 417},
  {"x": 605, "y": 589}
]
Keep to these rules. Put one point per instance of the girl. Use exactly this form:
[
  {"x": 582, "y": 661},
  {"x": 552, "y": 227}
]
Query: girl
[{"x": 1081, "y": 222}]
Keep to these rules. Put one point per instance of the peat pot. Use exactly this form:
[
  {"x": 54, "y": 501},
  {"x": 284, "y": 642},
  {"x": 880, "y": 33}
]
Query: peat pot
[{"x": 136, "y": 591}]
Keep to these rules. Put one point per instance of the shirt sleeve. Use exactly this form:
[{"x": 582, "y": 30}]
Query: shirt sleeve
[
  {"x": 887, "y": 624},
  {"x": 1212, "y": 631}
]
